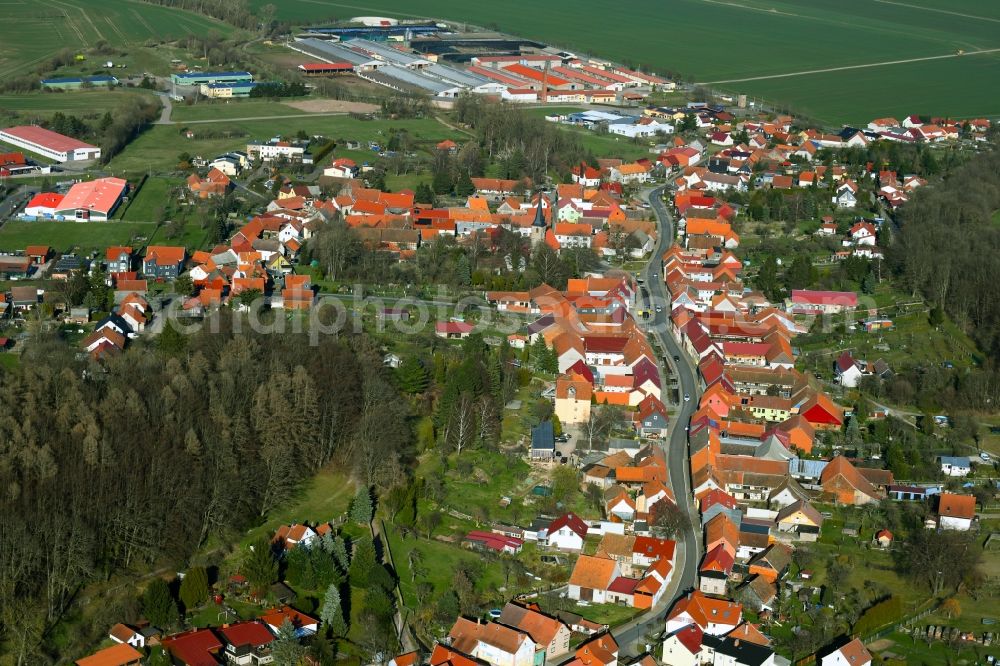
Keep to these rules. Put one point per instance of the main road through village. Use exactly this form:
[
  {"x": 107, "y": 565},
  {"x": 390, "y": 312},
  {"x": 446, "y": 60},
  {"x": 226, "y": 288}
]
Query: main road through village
[{"x": 631, "y": 637}]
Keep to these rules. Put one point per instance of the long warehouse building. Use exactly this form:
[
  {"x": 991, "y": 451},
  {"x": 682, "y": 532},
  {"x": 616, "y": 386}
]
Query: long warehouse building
[{"x": 47, "y": 143}]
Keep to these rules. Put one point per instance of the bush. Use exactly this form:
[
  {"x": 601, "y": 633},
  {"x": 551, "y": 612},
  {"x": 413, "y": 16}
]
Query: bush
[{"x": 877, "y": 616}]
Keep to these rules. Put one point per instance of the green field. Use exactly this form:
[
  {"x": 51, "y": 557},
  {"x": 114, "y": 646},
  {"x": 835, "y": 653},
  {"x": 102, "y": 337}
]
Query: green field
[
  {"x": 150, "y": 197},
  {"x": 80, "y": 103},
  {"x": 218, "y": 110},
  {"x": 33, "y": 30},
  {"x": 710, "y": 41},
  {"x": 159, "y": 146},
  {"x": 66, "y": 236}
]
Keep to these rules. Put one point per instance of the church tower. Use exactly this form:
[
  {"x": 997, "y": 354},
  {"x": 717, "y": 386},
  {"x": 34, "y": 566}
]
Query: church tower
[{"x": 539, "y": 226}]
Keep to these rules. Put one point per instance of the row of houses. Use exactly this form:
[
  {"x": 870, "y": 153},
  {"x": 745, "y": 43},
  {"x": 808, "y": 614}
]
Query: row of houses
[{"x": 245, "y": 643}]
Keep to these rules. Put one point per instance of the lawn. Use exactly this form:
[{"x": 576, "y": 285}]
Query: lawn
[
  {"x": 34, "y": 30},
  {"x": 82, "y": 103},
  {"x": 812, "y": 36},
  {"x": 65, "y": 236},
  {"x": 221, "y": 109},
  {"x": 325, "y": 497},
  {"x": 436, "y": 565},
  {"x": 150, "y": 197},
  {"x": 160, "y": 146}
]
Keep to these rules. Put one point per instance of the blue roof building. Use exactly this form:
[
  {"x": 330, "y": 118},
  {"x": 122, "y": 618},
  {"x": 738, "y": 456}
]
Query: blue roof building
[{"x": 199, "y": 78}]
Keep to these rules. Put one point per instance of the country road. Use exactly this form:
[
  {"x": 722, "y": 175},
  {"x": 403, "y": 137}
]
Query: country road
[
  {"x": 848, "y": 67},
  {"x": 630, "y": 636},
  {"x": 161, "y": 121}
]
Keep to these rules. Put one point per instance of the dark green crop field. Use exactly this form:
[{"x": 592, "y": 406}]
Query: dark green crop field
[
  {"x": 714, "y": 41},
  {"x": 33, "y": 30}
]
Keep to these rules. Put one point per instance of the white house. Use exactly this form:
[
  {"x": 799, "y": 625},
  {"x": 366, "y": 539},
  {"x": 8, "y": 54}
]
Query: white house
[
  {"x": 845, "y": 198},
  {"x": 852, "y": 654},
  {"x": 863, "y": 233},
  {"x": 342, "y": 168},
  {"x": 956, "y": 512},
  {"x": 496, "y": 644},
  {"x": 847, "y": 371},
  {"x": 955, "y": 466},
  {"x": 567, "y": 533},
  {"x": 121, "y": 633},
  {"x": 716, "y": 617},
  {"x": 682, "y": 648}
]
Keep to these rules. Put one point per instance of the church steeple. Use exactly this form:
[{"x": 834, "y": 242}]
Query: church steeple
[{"x": 539, "y": 212}]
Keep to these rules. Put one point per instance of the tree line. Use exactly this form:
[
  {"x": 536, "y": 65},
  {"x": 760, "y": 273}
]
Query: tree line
[
  {"x": 947, "y": 248},
  {"x": 110, "y": 470},
  {"x": 523, "y": 145}
]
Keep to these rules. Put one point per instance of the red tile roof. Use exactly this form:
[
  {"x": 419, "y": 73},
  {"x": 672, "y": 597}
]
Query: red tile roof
[
  {"x": 47, "y": 138},
  {"x": 247, "y": 633}
]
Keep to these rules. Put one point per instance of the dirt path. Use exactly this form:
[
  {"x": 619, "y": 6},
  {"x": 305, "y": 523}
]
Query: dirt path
[
  {"x": 332, "y": 106},
  {"x": 848, "y": 67}
]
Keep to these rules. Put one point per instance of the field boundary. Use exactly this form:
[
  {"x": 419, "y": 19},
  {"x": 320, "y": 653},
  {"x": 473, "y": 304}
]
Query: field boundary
[{"x": 848, "y": 67}]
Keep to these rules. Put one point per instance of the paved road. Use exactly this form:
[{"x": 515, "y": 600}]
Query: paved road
[
  {"x": 165, "y": 110},
  {"x": 631, "y": 635}
]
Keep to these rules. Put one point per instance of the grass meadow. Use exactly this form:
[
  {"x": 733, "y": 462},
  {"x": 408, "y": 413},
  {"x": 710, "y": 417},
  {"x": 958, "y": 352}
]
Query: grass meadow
[
  {"x": 709, "y": 41},
  {"x": 67, "y": 236},
  {"x": 34, "y": 30}
]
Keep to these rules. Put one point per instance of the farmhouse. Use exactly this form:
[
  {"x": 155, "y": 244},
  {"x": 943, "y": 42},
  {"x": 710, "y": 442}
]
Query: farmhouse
[
  {"x": 275, "y": 149},
  {"x": 49, "y": 144},
  {"x": 956, "y": 512}
]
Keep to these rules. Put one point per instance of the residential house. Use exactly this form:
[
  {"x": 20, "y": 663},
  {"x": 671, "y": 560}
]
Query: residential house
[
  {"x": 121, "y": 654},
  {"x": 573, "y": 399},
  {"x": 290, "y": 536},
  {"x": 197, "y": 647},
  {"x": 734, "y": 651},
  {"x": 955, "y": 465},
  {"x": 118, "y": 259},
  {"x": 601, "y": 650},
  {"x": 499, "y": 543},
  {"x": 453, "y": 330},
  {"x": 801, "y": 519},
  {"x": 956, "y": 512},
  {"x": 852, "y": 654},
  {"x": 247, "y": 643},
  {"x": 122, "y": 633},
  {"x": 567, "y": 533},
  {"x": 591, "y": 578},
  {"x": 847, "y": 370},
  {"x": 493, "y": 643},
  {"x": 303, "y": 624},
  {"x": 651, "y": 418},
  {"x": 683, "y": 646},
  {"x": 549, "y": 634},
  {"x": 715, "y": 569},
  {"x": 163, "y": 262},
  {"x": 715, "y": 617},
  {"x": 842, "y": 482},
  {"x": 214, "y": 184}
]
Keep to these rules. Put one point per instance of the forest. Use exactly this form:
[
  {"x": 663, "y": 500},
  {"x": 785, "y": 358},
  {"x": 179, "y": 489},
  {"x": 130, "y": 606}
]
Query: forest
[
  {"x": 947, "y": 248},
  {"x": 134, "y": 465}
]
